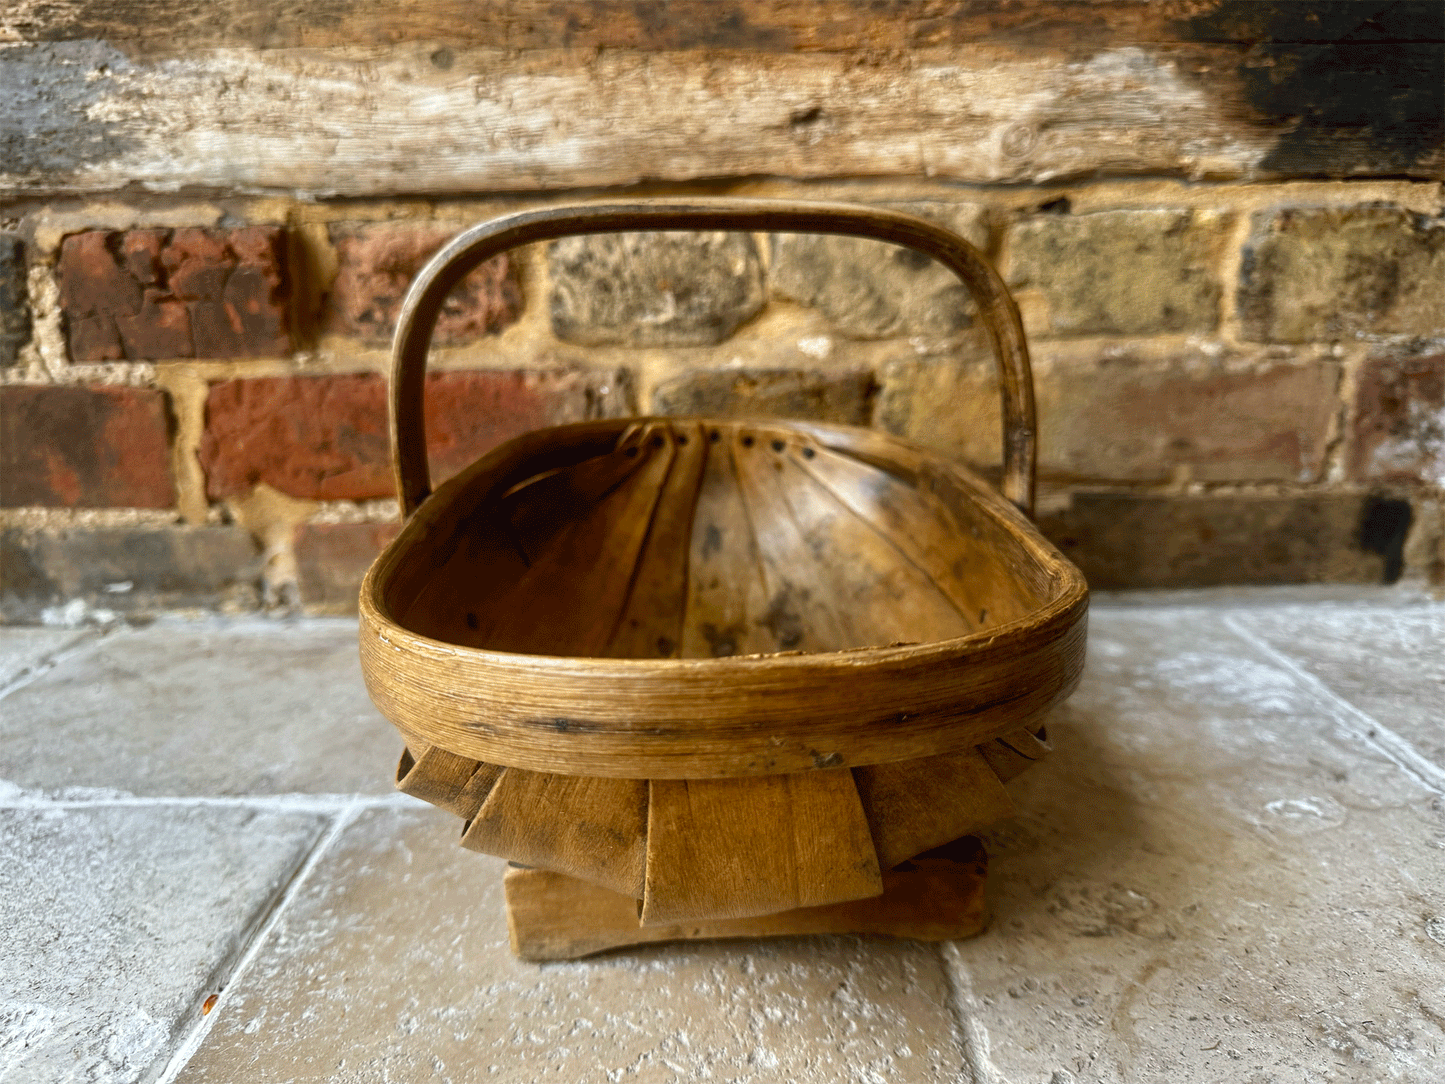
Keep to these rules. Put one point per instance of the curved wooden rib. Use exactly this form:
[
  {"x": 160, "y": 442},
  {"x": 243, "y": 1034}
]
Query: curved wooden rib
[
  {"x": 650, "y": 624},
  {"x": 727, "y": 597}
]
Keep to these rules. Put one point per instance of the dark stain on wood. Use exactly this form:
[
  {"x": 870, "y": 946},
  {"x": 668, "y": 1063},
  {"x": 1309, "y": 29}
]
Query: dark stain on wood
[{"x": 1354, "y": 87}]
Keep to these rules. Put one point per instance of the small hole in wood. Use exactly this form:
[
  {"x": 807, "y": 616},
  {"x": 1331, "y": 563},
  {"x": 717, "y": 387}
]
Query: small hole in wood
[
  {"x": 747, "y": 442},
  {"x": 631, "y": 452},
  {"x": 777, "y": 445},
  {"x": 681, "y": 440},
  {"x": 808, "y": 453},
  {"x": 657, "y": 442},
  {"x": 715, "y": 436}
]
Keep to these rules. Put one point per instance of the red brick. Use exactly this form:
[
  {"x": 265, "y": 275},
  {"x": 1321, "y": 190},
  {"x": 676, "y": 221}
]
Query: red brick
[
  {"x": 332, "y": 558},
  {"x": 324, "y": 437},
  {"x": 375, "y": 265},
  {"x": 77, "y": 447},
  {"x": 1399, "y": 430},
  {"x": 203, "y": 293}
]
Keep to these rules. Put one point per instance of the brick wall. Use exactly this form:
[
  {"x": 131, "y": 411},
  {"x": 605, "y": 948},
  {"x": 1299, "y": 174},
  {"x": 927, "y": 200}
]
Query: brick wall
[{"x": 1240, "y": 361}]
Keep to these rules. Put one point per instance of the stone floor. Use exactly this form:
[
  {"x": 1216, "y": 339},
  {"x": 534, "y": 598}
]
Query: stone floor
[{"x": 1232, "y": 869}]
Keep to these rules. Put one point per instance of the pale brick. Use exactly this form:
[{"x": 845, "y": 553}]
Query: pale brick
[
  {"x": 871, "y": 290},
  {"x": 1327, "y": 273},
  {"x": 1128, "y": 422},
  {"x": 653, "y": 289},
  {"x": 783, "y": 393},
  {"x": 1144, "y": 272}
]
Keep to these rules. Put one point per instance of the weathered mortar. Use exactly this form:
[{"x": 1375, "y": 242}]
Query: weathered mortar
[{"x": 1203, "y": 364}]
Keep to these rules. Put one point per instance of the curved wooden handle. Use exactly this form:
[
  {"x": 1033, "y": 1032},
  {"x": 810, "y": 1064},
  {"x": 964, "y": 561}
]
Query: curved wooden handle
[{"x": 423, "y": 303}]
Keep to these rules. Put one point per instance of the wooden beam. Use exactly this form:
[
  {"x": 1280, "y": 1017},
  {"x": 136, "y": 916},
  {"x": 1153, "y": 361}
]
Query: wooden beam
[{"x": 526, "y": 100}]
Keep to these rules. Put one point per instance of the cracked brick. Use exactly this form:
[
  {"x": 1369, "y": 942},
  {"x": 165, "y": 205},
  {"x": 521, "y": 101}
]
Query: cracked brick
[
  {"x": 325, "y": 437},
  {"x": 185, "y": 293}
]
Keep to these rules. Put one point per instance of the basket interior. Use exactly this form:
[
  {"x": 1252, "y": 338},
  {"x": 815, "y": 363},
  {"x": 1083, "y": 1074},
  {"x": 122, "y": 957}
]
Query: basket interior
[{"x": 705, "y": 539}]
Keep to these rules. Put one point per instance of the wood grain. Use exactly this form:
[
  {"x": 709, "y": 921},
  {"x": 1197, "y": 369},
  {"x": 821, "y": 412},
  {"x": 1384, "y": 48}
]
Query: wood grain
[
  {"x": 734, "y": 848},
  {"x": 594, "y": 829},
  {"x": 708, "y": 717},
  {"x": 453, "y": 783},
  {"x": 916, "y": 805},
  {"x": 174, "y": 27},
  {"x": 939, "y": 897},
  {"x": 431, "y": 98}
]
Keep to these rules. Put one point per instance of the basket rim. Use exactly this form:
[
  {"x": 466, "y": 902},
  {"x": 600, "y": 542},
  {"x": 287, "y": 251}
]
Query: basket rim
[{"x": 524, "y": 710}]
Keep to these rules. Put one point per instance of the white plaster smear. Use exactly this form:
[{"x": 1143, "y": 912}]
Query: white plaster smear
[{"x": 339, "y": 123}]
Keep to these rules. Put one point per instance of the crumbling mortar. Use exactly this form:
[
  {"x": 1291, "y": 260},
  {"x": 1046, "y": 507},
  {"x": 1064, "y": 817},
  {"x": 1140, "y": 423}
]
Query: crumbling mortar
[{"x": 385, "y": 510}]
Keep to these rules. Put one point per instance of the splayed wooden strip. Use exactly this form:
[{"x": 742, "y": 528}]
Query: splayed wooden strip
[
  {"x": 651, "y": 622},
  {"x": 916, "y": 805},
  {"x": 801, "y": 614},
  {"x": 569, "y": 600},
  {"x": 726, "y": 593}
]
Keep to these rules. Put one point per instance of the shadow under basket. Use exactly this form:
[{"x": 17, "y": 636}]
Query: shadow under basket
[{"x": 706, "y": 677}]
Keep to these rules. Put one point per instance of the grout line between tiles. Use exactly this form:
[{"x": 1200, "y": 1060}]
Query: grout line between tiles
[
  {"x": 192, "y": 1042},
  {"x": 972, "y": 1037},
  {"x": 277, "y": 803},
  {"x": 47, "y": 663},
  {"x": 1361, "y": 723}
]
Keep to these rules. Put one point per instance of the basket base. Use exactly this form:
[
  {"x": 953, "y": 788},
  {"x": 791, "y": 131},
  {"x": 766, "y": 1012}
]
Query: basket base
[{"x": 938, "y": 896}]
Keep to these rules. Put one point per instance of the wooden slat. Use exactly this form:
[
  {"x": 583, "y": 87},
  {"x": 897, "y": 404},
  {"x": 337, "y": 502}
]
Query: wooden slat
[
  {"x": 726, "y": 594},
  {"x": 462, "y": 600},
  {"x": 1014, "y": 753},
  {"x": 883, "y": 596},
  {"x": 651, "y": 622},
  {"x": 584, "y": 827},
  {"x": 916, "y": 805},
  {"x": 945, "y": 546},
  {"x": 939, "y": 897},
  {"x": 446, "y": 780},
  {"x": 570, "y": 598},
  {"x": 732, "y": 848},
  {"x": 802, "y": 613}
]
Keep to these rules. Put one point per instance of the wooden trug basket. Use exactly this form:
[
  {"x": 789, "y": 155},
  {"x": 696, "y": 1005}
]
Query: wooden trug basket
[{"x": 701, "y": 677}]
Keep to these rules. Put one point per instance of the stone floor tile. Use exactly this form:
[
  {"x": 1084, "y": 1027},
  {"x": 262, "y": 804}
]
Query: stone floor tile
[
  {"x": 392, "y": 964},
  {"x": 117, "y": 921},
  {"x": 22, "y": 648},
  {"x": 1214, "y": 878},
  {"x": 203, "y": 707},
  {"x": 1389, "y": 663}
]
